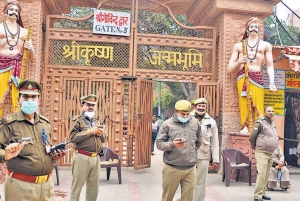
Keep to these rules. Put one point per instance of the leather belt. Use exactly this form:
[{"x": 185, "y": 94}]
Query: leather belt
[
  {"x": 29, "y": 178},
  {"x": 90, "y": 154}
]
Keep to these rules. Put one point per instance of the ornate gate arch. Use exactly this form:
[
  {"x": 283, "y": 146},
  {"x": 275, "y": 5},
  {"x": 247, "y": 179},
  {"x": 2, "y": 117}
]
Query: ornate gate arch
[{"x": 161, "y": 46}]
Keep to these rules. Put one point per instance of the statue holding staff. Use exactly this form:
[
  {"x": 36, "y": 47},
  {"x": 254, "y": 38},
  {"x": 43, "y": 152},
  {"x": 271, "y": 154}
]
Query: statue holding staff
[
  {"x": 12, "y": 44},
  {"x": 258, "y": 52}
]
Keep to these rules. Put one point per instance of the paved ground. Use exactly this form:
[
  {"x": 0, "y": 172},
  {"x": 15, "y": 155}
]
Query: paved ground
[{"x": 145, "y": 185}]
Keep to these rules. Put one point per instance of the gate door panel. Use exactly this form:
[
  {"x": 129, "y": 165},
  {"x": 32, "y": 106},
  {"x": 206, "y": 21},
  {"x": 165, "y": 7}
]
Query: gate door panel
[
  {"x": 129, "y": 107},
  {"x": 210, "y": 91},
  {"x": 143, "y": 124},
  {"x": 102, "y": 88},
  {"x": 73, "y": 89}
]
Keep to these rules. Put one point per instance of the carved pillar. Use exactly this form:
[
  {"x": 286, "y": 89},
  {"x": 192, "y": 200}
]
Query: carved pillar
[{"x": 35, "y": 12}]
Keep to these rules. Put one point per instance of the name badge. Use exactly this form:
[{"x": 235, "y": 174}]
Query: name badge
[{"x": 26, "y": 138}]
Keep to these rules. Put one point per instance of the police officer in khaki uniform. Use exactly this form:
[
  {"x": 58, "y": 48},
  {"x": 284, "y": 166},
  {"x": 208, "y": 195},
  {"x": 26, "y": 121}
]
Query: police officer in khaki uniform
[
  {"x": 264, "y": 139},
  {"x": 25, "y": 135},
  {"x": 209, "y": 148},
  {"x": 87, "y": 135}
]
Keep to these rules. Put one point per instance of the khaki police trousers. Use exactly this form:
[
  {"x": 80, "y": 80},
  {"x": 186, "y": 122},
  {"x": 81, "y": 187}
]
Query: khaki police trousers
[
  {"x": 263, "y": 164},
  {"x": 85, "y": 169},
  {"x": 172, "y": 177},
  {"x": 202, "y": 171},
  {"x": 17, "y": 190}
]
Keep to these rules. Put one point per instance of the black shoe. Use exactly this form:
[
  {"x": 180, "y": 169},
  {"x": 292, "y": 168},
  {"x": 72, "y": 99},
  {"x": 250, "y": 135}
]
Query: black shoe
[
  {"x": 265, "y": 197},
  {"x": 258, "y": 199}
]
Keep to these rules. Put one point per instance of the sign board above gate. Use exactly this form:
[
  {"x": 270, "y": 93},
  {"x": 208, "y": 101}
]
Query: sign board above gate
[{"x": 111, "y": 23}]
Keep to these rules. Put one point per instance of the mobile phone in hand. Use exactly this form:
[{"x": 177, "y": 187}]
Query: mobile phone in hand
[{"x": 182, "y": 140}]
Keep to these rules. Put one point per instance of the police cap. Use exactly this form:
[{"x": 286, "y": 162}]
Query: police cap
[
  {"x": 91, "y": 99},
  {"x": 200, "y": 101},
  {"x": 183, "y": 105},
  {"x": 29, "y": 86}
]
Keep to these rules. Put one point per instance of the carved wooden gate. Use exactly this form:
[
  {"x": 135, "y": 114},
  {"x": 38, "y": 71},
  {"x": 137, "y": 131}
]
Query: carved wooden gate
[
  {"x": 143, "y": 124},
  {"x": 73, "y": 89},
  {"x": 119, "y": 101},
  {"x": 210, "y": 91},
  {"x": 78, "y": 62}
]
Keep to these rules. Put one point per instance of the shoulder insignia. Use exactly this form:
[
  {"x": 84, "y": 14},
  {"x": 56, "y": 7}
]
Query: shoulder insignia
[
  {"x": 261, "y": 117},
  {"x": 44, "y": 118},
  {"x": 9, "y": 118}
]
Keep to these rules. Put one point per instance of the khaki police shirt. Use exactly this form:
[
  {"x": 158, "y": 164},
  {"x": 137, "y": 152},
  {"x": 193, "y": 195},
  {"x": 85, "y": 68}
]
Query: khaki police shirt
[
  {"x": 32, "y": 159},
  {"x": 82, "y": 137}
]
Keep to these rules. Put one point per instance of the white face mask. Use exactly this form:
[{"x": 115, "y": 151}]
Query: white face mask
[{"x": 89, "y": 114}]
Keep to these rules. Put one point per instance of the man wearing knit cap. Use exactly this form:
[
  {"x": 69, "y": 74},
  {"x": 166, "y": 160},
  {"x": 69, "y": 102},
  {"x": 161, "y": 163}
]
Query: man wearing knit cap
[
  {"x": 209, "y": 147},
  {"x": 257, "y": 52},
  {"x": 25, "y": 141},
  {"x": 179, "y": 137},
  {"x": 12, "y": 42}
]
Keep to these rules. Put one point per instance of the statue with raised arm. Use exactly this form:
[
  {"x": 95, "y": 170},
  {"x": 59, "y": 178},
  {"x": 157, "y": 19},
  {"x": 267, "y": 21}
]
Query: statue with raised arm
[
  {"x": 12, "y": 44},
  {"x": 250, "y": 76}
]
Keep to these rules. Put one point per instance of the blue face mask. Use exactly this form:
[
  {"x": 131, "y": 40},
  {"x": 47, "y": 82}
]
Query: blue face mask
[
  {"x": 183, "y": 120},
  {"x": 29, "y": 107}
]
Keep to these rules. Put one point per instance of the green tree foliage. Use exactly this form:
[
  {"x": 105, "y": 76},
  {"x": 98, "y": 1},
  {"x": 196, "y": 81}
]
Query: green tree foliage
[
  {"x": 77, "y": 12},
  {"x": 162, "y": 23},
  {"x": 171, "y": 92},
  {"x": 278, "y": 34}
]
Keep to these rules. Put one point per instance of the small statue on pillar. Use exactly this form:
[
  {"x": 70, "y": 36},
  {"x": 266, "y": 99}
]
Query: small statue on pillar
[
  {"x": 248, "y": 57},
  {"x": 13, "y": 44}
]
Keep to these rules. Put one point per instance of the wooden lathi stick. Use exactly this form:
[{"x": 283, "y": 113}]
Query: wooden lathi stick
[{"x": 249, "y": 107}]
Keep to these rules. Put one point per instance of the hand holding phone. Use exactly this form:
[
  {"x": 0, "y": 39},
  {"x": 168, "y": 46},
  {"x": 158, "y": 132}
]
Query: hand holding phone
[
  {"x": 179, "y": 142},
  {"x": 182, "y": 140}
]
